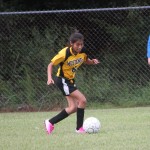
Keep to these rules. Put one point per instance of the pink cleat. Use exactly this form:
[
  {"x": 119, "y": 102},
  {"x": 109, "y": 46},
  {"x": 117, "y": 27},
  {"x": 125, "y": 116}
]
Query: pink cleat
[
  {"x": 49, "y": 127},
  {"x": 81, "y": 130}
]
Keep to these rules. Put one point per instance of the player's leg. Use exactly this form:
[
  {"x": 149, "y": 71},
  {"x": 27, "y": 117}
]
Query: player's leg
[
  {"x": 49, "y": 124},
  {"x": 72, "y": 107},
  {"x": 67, "y": 88},
  {"x": 77, "y": 95}
]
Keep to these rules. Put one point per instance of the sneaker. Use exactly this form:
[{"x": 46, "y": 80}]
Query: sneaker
[
  {"x": 49, "y": 127},
  {"x": 81, "y": 130}
]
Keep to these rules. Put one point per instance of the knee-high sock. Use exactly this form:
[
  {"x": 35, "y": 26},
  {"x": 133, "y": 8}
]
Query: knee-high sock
[
  {"x": 80, "y": 117},
  {"x": 62, "y": 115}
]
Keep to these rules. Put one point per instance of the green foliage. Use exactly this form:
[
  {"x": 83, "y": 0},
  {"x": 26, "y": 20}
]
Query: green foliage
[
  {"x": 99, "y": 88},
  {"x": 121, "y": 79},
  {"x": 28, "y": 88},
  {"x": 20, "y": 5},
  {"x": 29, "y": 59}
]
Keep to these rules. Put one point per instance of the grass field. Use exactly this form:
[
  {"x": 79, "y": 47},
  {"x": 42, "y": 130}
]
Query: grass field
[{"x": 122, "y": 129}]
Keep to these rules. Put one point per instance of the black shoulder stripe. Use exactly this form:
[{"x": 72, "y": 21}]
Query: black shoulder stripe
[
  {"x": 68, "y": 53},
  {"x": 84, "y": 51}
]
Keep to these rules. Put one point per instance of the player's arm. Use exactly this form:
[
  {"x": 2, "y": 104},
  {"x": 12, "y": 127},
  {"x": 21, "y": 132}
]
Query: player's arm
[
  {"x": 92, "y": 61},
  {"x": 49, "y": 74},
  {"x": 89, "y": 61},
  {"x": 55, "y": 61}
]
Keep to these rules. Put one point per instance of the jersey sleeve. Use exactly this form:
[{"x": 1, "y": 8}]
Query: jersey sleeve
[
  {"x": 60, "y": 57},
  {"x": 148, "y": 47}
]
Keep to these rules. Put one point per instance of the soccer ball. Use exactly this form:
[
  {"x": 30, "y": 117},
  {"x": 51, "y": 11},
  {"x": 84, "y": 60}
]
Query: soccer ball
[{"x": 91, "y": 125}]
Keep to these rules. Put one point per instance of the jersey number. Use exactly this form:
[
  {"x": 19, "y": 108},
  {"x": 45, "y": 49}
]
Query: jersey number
[{"x": 74, "y": 69}]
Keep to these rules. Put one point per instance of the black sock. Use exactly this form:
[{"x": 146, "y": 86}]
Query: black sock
[
  {"x": 62, "y": 115},
  {"x": 80, "y": 117}
]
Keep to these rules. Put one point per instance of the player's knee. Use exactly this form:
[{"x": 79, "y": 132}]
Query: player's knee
[
  {"x": 83, "y": 101},
  {"x": 72, "y": 109}
]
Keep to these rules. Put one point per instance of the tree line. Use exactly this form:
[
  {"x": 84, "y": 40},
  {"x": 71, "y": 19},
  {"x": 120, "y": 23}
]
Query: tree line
[{"x": 21, "y": 5}]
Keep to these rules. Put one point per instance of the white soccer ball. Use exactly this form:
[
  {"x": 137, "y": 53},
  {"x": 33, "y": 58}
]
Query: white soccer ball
[{"x": 91, "y": 125}]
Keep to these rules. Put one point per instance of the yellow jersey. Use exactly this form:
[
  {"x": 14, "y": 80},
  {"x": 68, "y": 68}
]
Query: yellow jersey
[{"x": 69, "y": 62}]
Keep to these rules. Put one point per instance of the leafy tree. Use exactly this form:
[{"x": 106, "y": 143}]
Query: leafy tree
[{"x": 22, "y": 5}]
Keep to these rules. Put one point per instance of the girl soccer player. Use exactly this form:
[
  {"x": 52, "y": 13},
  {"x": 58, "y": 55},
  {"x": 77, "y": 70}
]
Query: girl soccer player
[{"x": 70, "y": 59}]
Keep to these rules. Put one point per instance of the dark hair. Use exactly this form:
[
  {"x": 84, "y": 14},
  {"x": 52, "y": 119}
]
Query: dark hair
[{"x": 75, "y": 37}]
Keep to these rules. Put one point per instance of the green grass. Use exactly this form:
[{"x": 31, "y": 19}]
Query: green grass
[{"x": 122, "y": 129}]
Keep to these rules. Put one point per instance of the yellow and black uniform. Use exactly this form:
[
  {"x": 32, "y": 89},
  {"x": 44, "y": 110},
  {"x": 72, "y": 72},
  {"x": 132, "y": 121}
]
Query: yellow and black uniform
[{"x": 69, "y": 63}]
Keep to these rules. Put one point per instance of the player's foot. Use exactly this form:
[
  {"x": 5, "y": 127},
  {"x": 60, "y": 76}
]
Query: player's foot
[
  {"x": 48, "y": 126},
  {"x": 81, "y": 130}
]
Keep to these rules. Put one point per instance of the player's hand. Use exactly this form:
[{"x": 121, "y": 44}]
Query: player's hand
[
  {"x": 95, "y": 61},
  {"x": 50, "y": 81}
]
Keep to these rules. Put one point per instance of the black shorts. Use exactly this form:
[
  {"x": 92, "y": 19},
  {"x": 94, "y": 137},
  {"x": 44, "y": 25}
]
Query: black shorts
[{"x": 65, "y": 85}]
